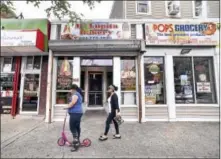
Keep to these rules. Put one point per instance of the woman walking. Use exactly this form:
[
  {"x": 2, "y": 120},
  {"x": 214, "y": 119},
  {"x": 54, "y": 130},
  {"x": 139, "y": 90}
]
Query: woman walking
[
  {"x": 114, "y": 111},
  {"x": 75, "y": 111}
]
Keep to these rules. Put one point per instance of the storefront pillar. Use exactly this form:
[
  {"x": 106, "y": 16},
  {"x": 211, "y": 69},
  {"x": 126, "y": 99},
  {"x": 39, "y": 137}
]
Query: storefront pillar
[
  {"x": 217, "y": 74},
  {"x": 170, "y": 94},
  {"x": 117, "y": 76},
  {"x": 15, "y": 86},
  {"x": 142, "y": 89},
  {"x": 49, "y": 88},
  {"x": 76, "y": 70},
  {"x": 140, "y": 94}
]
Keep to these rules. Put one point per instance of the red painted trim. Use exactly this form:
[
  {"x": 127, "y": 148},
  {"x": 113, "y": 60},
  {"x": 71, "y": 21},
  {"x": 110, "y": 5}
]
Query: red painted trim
[
  {"x": 49, "y": 30},
  {"x": 15, "y": 86},
  {"x": 40, "y": 40}
]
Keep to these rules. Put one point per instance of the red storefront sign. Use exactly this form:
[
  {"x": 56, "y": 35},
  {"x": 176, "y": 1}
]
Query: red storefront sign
[{"x": 22, "y": 41}]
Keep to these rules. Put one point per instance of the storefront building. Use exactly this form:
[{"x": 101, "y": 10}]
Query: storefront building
[
  {"x": 24, "y": 58},
  {"x": 181, "y": 71},
  {"x": 93, "y": 55},
  {"x": 164, "y": 72}
]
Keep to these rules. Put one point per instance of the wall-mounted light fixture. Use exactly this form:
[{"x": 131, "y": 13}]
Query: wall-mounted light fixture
[{"x": 185, "y": 51}]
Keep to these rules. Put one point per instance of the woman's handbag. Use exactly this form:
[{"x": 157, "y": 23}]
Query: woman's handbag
[{"x": 119, "y": 120}]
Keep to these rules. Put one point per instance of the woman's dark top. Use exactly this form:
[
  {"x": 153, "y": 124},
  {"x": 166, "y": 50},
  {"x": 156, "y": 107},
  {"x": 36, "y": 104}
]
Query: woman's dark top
[{"x": 114, "y": 103}]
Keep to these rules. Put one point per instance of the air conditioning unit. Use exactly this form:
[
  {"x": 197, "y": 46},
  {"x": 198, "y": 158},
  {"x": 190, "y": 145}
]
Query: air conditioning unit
[{"x": 173, "y": 8}]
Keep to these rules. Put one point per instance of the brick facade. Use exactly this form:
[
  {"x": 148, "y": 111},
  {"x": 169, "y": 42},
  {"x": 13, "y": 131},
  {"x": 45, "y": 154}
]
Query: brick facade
[{"x": 43, "y": 86}]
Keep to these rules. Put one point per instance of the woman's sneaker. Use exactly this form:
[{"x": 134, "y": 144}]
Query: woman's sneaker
[{"x": 117, "y": 136}]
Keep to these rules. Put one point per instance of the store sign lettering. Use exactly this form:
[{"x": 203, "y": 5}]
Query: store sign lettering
[
  {"x": 178, "y": 27},
  {"x": 93, "y": 30},
  {"x": 18, "y": 38},
  {"x": 205, "y": 33}
]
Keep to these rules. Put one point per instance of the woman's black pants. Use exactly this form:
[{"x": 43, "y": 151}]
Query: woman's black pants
[
  {"x": 108, "y": 122},
  {"x": 75, "y": 125}
]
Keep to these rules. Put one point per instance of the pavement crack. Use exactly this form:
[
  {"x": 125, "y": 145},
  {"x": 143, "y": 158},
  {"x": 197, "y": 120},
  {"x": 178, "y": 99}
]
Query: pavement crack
[{"x": 20, "y": 135}]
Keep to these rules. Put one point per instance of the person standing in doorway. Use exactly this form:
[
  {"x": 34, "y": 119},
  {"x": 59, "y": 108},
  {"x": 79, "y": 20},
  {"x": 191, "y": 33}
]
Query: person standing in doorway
[
  {"x": 114, "y": 111},
  {"x": 75, "y": 111}
]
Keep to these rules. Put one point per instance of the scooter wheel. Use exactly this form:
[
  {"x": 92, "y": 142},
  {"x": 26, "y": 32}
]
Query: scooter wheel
[
  {"x": 61, "y": 141},
  {"x": 86, "y": 142}
]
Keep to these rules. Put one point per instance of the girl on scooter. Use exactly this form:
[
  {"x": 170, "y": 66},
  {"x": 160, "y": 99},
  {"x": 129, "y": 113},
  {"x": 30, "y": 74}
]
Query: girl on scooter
[
  {"x": 114, "y": 111},
  {"x": 75, "y": 111}
]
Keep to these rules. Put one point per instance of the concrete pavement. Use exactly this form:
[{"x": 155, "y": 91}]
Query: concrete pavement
[{"x": 153, "y": 139}]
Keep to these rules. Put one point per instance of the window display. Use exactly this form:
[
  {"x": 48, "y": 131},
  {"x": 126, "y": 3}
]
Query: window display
[
  {"x": 64, "y": 79},
  {"x": 64, "y": 73},
  {"x": 183, "y": 80},
  {"x": 6, "y": 81},
  {"x": 33, "y": 62},
  {"x": 8, "y": 64},
  {"x": 154, "y": 80},
  {"x": 194, "y": 80},
  {"x": 31, "y": 91},
  {"x": 128, "y": 81},
  {"x": 204, "y": 80}
]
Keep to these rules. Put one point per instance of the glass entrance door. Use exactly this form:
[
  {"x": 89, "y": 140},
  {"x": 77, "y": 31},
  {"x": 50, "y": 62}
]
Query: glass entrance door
[
  {"x": 30, "y": 93},
  {"x": 95, "y": 89}
]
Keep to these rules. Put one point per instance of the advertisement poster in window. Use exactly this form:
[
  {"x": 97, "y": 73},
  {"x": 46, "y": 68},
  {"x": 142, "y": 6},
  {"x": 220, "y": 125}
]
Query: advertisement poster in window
[
  {"x": 203, "y": 87},
  {"x": 191, "y": 33},
  {"x": 64, "y": 79},
  {"x": 154, "y": 80},
  {"x": 128, "y": 76}
]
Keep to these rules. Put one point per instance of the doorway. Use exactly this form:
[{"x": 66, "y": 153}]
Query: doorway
[
  {"x": 95, "y": 90},
  {"x": 30, "y": 84}
]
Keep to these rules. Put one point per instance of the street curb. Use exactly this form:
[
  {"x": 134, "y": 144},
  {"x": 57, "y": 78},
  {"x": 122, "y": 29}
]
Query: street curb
[{"x": 9, "y": 141}]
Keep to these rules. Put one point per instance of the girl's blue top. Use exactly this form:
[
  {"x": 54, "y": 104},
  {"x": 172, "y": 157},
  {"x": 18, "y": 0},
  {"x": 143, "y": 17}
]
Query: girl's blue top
[{"x": 77, "y": 107}]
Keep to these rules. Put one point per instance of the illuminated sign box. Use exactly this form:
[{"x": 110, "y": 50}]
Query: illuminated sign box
[
  {"x": 22, "y": 41},
  {"x": 205, "y": 33}
]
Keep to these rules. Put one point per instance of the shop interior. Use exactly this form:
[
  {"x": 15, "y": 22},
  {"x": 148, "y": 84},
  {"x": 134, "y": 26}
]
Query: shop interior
[{"x": 95, "y": 76}]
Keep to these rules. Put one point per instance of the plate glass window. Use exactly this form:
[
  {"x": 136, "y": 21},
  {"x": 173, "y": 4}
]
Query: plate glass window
[
  {"x": 128, "y": 81},
  {"x": 154, "y": 80},
  {"x": 194, "y": 80},
  {"x": 64, "y": 79}
]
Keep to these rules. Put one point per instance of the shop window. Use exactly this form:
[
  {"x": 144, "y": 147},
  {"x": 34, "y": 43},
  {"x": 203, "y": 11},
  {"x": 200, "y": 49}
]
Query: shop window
[
  {"x": 6, "y": 81},
  {"x": 31, "y": 92},
  {"x": 183, "y": 80},
  {"x": 128, "y": 81},
  {"x": 154, "y": 80},
  {"x": 194, "y": 80},
  {"x": 204, "y": 80},
  {"x": 33, "y": 62},
  {"x": 8, "y": 64},
  {"x": 64, "y": 79},
  {"x": 6, "y": 76}
]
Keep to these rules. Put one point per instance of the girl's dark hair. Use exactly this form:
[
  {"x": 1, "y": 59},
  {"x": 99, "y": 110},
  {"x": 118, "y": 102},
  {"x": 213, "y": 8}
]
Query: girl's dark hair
[
  {"x": 115, "y": 87},
  {"x": 74, "y": 86}
]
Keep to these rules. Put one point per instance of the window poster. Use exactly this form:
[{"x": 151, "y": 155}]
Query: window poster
[
  {"x": 7, "y": 68},
  {"x": 151, "y": 92},
  {"x": 128, "y": 75},
  {"x": 203, "y": 87},
  {"x": 183, "y": 80},
  {"x": 150, "y": 99},
  {"x": 64, "y": 79}
]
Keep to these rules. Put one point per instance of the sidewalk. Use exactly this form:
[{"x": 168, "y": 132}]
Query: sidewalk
[{"x": 153, "y": 139}]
